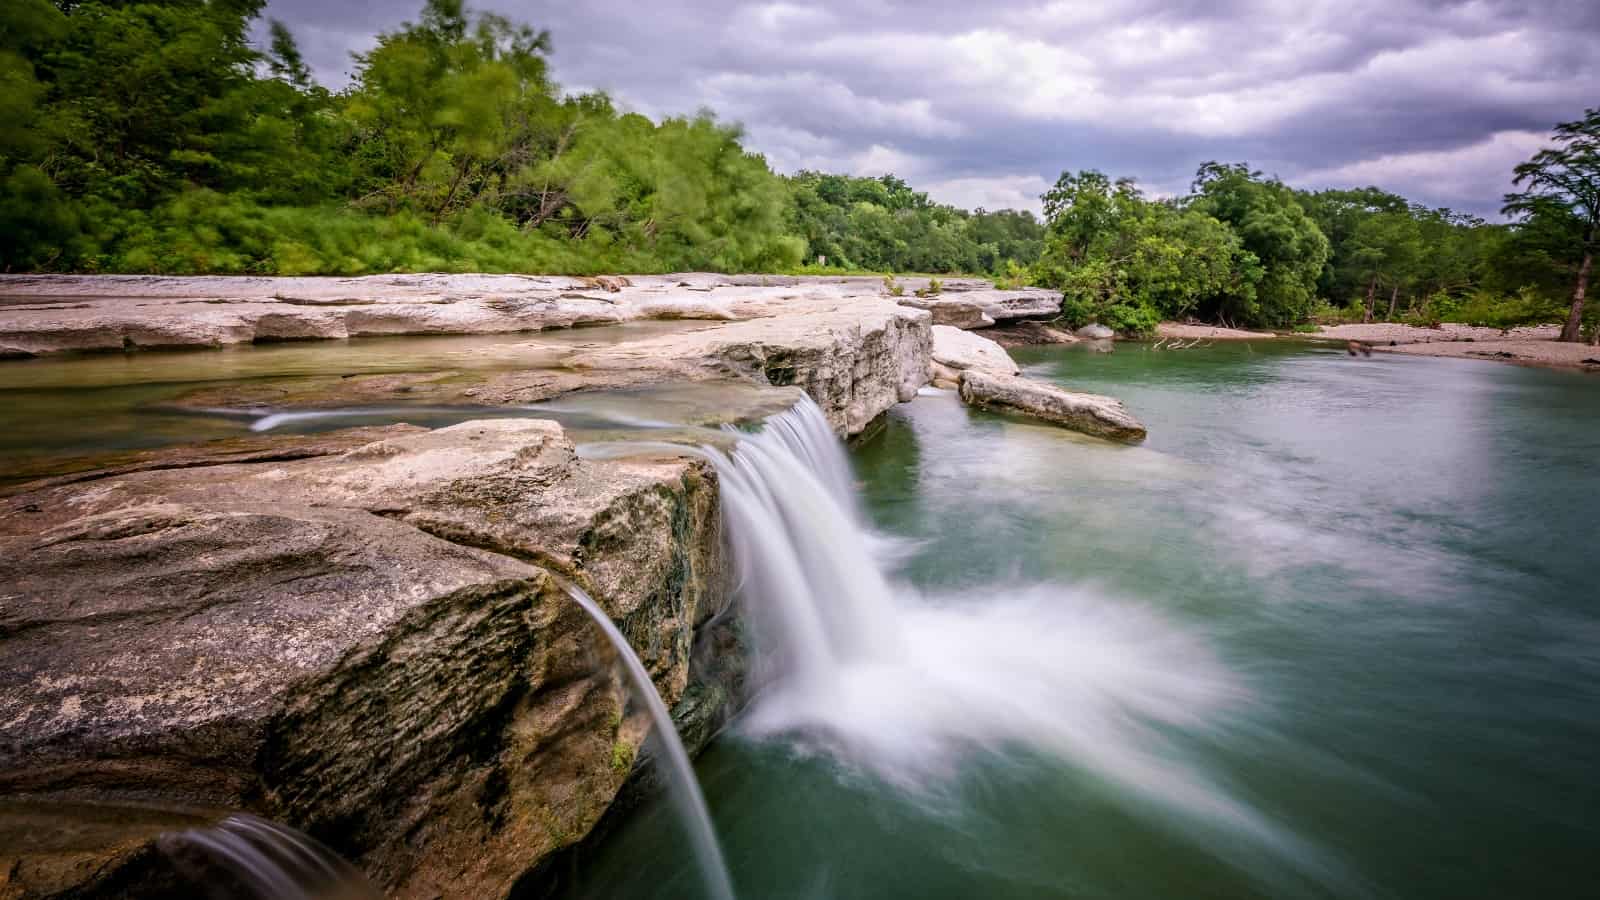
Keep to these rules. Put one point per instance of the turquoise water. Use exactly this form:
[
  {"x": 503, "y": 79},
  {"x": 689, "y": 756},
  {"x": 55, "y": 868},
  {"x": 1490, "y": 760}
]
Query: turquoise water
[{"x": 1331, "y": 632}]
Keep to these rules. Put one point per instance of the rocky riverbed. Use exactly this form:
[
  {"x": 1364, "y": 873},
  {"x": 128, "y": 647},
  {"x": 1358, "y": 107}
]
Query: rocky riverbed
[{"x": 361, "y": 633}]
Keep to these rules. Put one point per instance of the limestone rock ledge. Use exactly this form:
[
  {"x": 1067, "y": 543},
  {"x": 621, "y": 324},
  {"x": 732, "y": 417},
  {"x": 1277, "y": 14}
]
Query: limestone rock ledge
[
  {"x": 1088, "y": 413},
  {"x": 956, "y": 351},
  {"x": 852, "y": 348},
  {"x": 369, "y": 644}
]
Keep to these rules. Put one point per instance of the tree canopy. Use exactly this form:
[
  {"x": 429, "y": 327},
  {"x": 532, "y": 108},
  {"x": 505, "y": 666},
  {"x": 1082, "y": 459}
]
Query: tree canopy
[
  {"x": 1561, "y": 196},
  {"x": 152, "y": 136}
]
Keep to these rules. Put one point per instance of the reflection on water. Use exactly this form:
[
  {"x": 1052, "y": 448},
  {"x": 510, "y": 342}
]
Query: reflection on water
[
  {"x": 368, "y": 355},
  {"x": 1353, "y": 594},
  {"x": 56, "y": 408}
]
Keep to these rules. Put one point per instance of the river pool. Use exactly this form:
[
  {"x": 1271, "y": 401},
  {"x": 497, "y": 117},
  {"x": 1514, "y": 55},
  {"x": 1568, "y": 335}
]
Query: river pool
[{"x": 1333, "y": 631}]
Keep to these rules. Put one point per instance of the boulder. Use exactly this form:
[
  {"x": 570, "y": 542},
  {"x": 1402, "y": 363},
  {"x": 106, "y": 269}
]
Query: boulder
[
  {"x": 856, "y": 358},
  {"x": 370, "y": 645},
  {"x": 1027, "y": 334},
  {"x": 1006, "y": 306},
  {"x": 952, "y": 311},
  {"x": 1094, "y": 331},
  {"x": 1087, "y": 413},
  {"x": 956, "y": 351}
]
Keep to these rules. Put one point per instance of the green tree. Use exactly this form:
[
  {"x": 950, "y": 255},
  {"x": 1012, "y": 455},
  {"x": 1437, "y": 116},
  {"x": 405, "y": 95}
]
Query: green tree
[
  {"x": 1273, "y": 226},
  {"x": 1128, "y": 262},
  {"x": 1561, "y": 186}
]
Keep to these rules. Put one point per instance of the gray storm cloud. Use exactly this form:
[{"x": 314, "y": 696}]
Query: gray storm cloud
[{"x": 984, "y": 104}]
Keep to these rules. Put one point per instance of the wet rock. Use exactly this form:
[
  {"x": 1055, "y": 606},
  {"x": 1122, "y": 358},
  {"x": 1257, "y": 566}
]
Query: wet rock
[
  {"x": 370, "y": 646},
  {"x": 856, "y": 352},
  {"x": 856, "y": 358},
  {"x": 1088, "y": 413},
  {"x": 956, "y": 351},
  {"x": 1094, "y": 331},
  {"x": 44, "y": 472}
]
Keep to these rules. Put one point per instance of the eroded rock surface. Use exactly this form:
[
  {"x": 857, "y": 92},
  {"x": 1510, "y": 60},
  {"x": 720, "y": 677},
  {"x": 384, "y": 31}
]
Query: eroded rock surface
[
  {"x": 952, "y": 311},
  {"x": 1087, "y": 413},
  {"x": 843, "y": 340},
  {"x": 981, "y": 306},
  {"x": 43, "y": 314},
  {"x": 1027, "y": 303},
  {"x": 1028, "y": 334},
  {"x": 371, "y": 646},
  {"x": 956, "y": 351}
]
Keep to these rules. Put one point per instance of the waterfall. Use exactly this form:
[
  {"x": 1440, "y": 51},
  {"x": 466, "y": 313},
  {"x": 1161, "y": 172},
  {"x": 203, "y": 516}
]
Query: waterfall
[
  {"x": 270, "y": 861},
  {"x": 906, "y": 685},
  {"x": 681, "y": 783}
]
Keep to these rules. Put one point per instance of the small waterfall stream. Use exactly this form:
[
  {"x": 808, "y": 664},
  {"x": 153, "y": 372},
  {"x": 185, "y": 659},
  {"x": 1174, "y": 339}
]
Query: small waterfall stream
[
  {"x": 681, "y": 783},
  {"x": 267, "y": 860}
]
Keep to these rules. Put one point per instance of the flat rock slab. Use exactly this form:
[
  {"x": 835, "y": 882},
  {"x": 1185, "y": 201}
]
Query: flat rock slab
[
  {"x": 843, "y": 340},
  {"x": 953, "y": 311},
  {"x": 956, "y": 351},
  {"x": 1087, "y": 413},
  {"x": 370, "y": 645},
  {"x": 43, "y": 314},
  {"x": 1028, "y": 334}
]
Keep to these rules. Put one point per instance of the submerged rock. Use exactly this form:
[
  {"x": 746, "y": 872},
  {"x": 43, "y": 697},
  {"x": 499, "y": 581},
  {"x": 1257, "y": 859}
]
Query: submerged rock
[
  {"x": 370, "y": 646},
  {"x": 956, "y": 351},
  {"x": 1089, "y": 413}
]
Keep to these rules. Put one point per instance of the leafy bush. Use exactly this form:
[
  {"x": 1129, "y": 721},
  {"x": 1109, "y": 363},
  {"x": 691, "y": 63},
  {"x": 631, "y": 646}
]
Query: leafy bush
[{"x": 1525, "y": 307}]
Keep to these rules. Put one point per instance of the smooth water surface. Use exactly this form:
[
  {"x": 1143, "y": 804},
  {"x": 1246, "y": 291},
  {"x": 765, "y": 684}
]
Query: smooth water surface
[
  {"x": 82, "y": 404},
  {"x": 66, "y": 413},
  {"x": 1332, "y": 632}
]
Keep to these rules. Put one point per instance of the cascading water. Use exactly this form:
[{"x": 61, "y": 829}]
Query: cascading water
[
  {"x": 681, "y": 784},
  {"x": 904, "y": 684},
  {"x": 266, "y": 860}
]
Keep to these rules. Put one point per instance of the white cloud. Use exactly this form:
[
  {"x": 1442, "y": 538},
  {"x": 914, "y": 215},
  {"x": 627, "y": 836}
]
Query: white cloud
[
  {"x": 1469, "y": 173},
  {"x": 988, "y": 101},
  {"x": 992, "y": 192}
]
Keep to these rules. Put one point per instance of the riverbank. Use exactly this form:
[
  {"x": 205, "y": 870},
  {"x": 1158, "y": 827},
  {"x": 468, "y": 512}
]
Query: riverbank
[
  {"x": 219, "y": 507},
  {"x": 1533, "y": 345},
  {"x": 1184, "y": 331}
]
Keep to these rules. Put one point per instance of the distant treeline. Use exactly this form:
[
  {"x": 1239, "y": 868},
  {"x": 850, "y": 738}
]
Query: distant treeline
[
  {"x": 1245, "y": 249},
  {"x": 153, "y": 137}
]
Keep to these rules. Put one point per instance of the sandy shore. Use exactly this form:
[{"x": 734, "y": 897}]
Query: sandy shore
[
  {"x": 1528, "y": 346},
  {"x": 1185, "y": 332},
  {"x": 1387, "y": 332}
]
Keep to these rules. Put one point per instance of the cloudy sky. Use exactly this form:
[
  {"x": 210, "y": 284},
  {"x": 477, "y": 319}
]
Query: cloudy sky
[{"x": 984, "y": 103}]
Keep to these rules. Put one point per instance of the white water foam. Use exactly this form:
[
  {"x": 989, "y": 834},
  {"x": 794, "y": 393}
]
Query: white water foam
[{"x": 909, "y": 686}]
